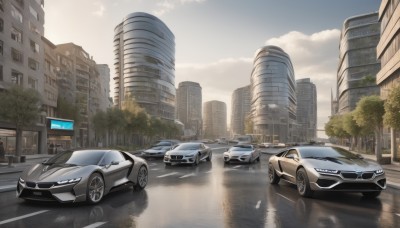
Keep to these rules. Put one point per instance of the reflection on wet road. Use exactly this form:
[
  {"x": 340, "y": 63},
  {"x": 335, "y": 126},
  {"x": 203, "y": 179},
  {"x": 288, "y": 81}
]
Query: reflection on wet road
[{"x": 209, "y": 195}]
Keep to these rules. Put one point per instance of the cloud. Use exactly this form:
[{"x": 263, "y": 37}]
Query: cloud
[
  {"x": 100, "y": 9},
  {"x": 168, "y": 5},
  {"x": 313, "y": 56}
]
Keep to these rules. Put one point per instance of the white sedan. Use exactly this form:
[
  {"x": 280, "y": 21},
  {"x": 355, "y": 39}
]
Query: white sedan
[{"x": 242, "y": 153}]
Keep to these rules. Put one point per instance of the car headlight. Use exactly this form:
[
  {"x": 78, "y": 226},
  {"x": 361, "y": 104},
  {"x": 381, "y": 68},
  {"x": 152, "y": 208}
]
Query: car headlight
[
  {"x": 379, "y": 172},
  {"x": 69, "y": 181},
  {"x": 327, "y": 171},
  {"x": 21, "y": 180}
]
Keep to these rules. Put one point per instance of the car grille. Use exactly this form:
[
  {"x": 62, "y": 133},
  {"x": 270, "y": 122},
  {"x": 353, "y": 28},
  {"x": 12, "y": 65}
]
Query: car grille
[
  {"x": 355, "y": 175},
  {"x": 357, "y": 186},
  {"x": 37, "y": 195},
  {"x": 176, "y": 157},
  {"x": 39, "y": 184}
]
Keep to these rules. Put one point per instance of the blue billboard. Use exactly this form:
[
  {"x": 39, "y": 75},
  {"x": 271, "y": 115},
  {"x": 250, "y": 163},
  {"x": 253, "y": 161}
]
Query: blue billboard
[{"x": 61, "y": 125}]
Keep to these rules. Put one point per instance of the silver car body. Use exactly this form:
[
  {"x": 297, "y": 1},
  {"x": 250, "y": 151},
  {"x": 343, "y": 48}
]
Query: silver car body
[
  {"x": 158, "y": 150},
  {"x": 242, "y": 153},
  {"x": 348, "y": 173},
  {"x": 186, "y": 153},
  {"x": 69, "y": 183}
]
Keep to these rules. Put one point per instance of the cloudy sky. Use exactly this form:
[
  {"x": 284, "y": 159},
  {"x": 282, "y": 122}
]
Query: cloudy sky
[{"x": 216, "y": 39}]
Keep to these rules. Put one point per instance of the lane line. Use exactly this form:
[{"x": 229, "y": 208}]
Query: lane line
[
  {"x": 188, "y": 175},
  {"x": 155, "y": 169},
  {"x": 398, "y": 215},
  {"x": 285, "y": 197},
  {"x": 153, "y": 164},
  {"x": 8, "y": 186},
  {"x": 258, "y": 204},
  {"x": 97, "y": 224},
  {"x": 22, "y": 217},
  {"x": 168, "y": 174},
  {"x": 209, "y": 171},
  {"x": 235, "y": 167}
]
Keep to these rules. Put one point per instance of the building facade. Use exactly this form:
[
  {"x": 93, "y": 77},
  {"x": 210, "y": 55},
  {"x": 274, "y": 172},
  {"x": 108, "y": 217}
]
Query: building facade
[
  {"x": 22, "y": 61},
  {"x": 214, "y": 119},
  {"x": 144, "y": 50},
  {"x": 104, "y": 76},
  {"x": 388, "y": 53},
  {"x": 189, "y": 108},
  {"x": 306, "y": 92},
  {"x": 358, "y": 64},
  {"x": 273, "y": 95},
  {"x": 241, "y": 105}
]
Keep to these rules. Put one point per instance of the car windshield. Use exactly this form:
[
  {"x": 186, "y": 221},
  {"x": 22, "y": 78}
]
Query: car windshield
[
  {"x": 323, "y": 152},
  {"x": 189, "y": 146},
  {"x": 156, "y": 147},
  {"x": 163, "y": 144},
  {"x": 240, "y": 148},
  {"x": 80, "y": 157}
]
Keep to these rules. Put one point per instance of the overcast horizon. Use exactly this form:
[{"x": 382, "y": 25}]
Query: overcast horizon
[{"x": 216, "y": 39}]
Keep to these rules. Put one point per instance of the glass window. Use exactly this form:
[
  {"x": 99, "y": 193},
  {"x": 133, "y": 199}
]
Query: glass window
[
  {"x": 33, "y": 64},
  {"x": 112, "y": 156},
  {"x": 34, "y": 13},
  {"x": 33, "y": 28},
  {"x": 34, "y": 46},
  {"x": 16, "y": 35},
  {"x": 16, "y": 14},
  {"x": 80, "y": 157},
  {"x": 1, "y": 72},
  {"x": 16, "y": 55},
  {"x": 16, "y": 77},
  {"x": 1, "y": 47},
  {"x": 32, "y": 83},
  {"x": 1, "y": 25},
  {"x": 1, "y": 5}
]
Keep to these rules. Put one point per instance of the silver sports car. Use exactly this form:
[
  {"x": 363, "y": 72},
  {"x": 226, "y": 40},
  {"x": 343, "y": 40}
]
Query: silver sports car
[
  {"x": 188, "y": 153},
  {"x": 82, "y": 175},
  {"x": 242, "y": 153},
  {"x": 320, "y": 168}
]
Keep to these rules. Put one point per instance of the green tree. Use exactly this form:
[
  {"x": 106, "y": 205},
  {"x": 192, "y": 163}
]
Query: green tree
[
  {"x": 369, "y": 114},
  {"x": 20, "y": 107},
  {"x": 391, "y": 117},
  {"x": 68, "y": 110}
]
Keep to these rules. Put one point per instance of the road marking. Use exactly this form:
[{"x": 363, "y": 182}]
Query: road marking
[
  {"x": 97, "y": 224},
  {"x": 22, "y": 217},
  {"x": 168, "y": 174},
  {"x": 153, "y": 164},
  {"x": 209, "y": 171},
  {"x": 188, "y": 175},
  {"x": 285, "y": 197},
  {"x": 235, "y": 167},
  {"x": 258, "y": 204},
  {"x": 8, "y": 186},
  {"x": 155, "y": 169}
]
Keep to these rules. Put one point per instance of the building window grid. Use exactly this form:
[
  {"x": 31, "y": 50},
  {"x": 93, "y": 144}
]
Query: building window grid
[
  {"x": 16, "y": 77},
  {"x": 16, "y": 55},
  {"x": 16, "y": 35},
  {"x": 1, "y": 25},
  {"x": 1, "y": 47},
  {"x": 34, "y": 46},
  {"x": 16, "y": 14},
  {"x": 1, "y": 72}
]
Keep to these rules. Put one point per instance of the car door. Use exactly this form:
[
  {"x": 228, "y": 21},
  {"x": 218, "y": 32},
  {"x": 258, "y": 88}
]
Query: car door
[
  {"x": 203, "y": 150},
  {"x": 115, "y": 168},
  {"x": 289, "y": 164}
]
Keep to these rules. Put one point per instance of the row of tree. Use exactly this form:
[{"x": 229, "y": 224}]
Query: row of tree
[
  {"x": 368, "y": 118},
  {"x": 129, "y": 127}
]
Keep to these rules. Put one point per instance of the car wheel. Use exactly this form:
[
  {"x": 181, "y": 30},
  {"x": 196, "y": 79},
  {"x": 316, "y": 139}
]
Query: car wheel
[
  {"x": 371, "y": 194},
  {"x": 303, "y": 184},
  {"x": 273, "y": 177},
  {"x": 258, "y": 158},
  {"x": 142, "y": 178},
  {"x": 95, "y": 188},
  {"x": 196, "y": 160},
  {"x": 209, "y": 156}
]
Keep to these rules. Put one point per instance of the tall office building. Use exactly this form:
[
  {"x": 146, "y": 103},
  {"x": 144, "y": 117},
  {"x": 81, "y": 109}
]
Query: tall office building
[
  {"x": 144, "y": 49},
  {"x": 22, "y": 56},
  {"x": 389, "y": 55},
  {"x": 84, "y": 88},
  {"x": 273, "y": 95},
  {"x": 241, "y": 105},
  {"x": 104, "y": 76},
  {"x": 306, "y": 109},
  {"x": 50, "y": 78},
  {"x": 214, "y": 119},
  {"x": 188, "y": 105},
  {"x": 358, "y": 64}
]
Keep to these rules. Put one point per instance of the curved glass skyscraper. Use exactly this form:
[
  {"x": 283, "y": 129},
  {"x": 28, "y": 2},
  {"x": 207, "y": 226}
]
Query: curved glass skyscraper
[
  {"x": 144, "y": 50},
  {"x": 273, "y": 95}
]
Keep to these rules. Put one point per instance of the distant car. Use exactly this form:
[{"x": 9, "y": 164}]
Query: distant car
[
  {"x": 188, "y": 153},
  {"x": 323, "y": 168},
  {"x": 207, "y": 141},
  {"x": 222, "y": 141},
  {"x": 265, "y": 145},
  {"x": 242, "y": 153},
  {"x": 279, "y": 145},
  {"x": 158, "y": 150},
  {"x": 82, "y": 175}
]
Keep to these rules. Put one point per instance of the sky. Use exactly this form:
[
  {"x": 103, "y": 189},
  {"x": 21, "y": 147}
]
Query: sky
[{"x": 215, "y": 40}]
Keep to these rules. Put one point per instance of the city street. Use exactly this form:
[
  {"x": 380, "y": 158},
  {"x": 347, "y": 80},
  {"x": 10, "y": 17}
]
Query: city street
[{"x": 209, "y": 195}]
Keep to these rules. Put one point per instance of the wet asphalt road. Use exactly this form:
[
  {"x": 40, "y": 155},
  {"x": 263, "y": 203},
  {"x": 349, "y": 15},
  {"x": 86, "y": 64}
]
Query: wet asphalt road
[{"x": 209, "y": 195}]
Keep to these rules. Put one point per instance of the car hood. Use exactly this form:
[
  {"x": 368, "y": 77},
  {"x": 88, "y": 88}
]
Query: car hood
[
  {"x": 155, "y": 150},
  {"x": 51, "y": 173},
  {"x": 343, "y": 164},
  {"x": 181, "y": 152}
]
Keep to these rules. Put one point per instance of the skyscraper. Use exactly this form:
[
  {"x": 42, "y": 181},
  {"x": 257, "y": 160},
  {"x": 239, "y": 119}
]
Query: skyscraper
[
  {"x": 241, "y": 99},
  {"x": 214, "y": 119},
  {"x": 144, "y": 49},
  {"x": 306, "y": 109},
  {"x": 104, "y": 76},
  {"x": 273, "y": 94},
  {"x": 188, "y": 105},
  {"x": 358, "y": 64}
]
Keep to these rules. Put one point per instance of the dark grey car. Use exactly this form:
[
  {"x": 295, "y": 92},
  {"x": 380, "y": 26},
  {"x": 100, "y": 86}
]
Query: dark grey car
[{"x": 82, "y": 175}]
